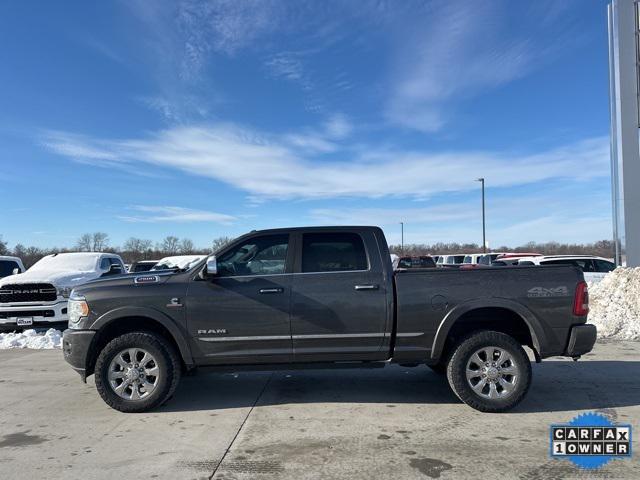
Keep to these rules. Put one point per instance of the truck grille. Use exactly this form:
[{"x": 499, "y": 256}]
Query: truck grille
[
  {"x": 28, "y": 292},
  {"x": 28, "y": 313}
]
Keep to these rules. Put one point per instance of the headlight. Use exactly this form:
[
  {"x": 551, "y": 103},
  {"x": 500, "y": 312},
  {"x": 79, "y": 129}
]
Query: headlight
[
  {"x": 64, "y": 291},
  {"x": 78, "y": 309}
]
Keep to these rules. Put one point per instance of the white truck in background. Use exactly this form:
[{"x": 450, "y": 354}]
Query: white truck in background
[
  {"x": 38, "y": 297},
  {"x": 594, "y": 268}
]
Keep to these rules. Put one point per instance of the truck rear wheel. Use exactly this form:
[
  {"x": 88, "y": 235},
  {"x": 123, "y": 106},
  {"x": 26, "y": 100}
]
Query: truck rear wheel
[
  {"x": 137, "y": 371},
  {"x": 489, "y": 371}
]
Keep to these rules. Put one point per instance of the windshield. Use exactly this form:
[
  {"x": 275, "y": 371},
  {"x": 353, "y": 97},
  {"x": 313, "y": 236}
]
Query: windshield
[
  {"x": 67, "y": 262},
  {"x": 183, "y": 262}
]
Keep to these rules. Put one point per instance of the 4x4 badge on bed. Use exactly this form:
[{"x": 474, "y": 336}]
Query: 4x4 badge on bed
[{"x": 548, "y": 292}]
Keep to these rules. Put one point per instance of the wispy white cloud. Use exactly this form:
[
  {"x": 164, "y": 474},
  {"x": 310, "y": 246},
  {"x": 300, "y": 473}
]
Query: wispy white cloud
[
  {"x": 307, "y": 165},
  {"x": 158, "y": 214},
  {"x": 338, "y": 126},
  {"x": 103, "y": 48},
  {"x": 540, "y": 216},
  {"x": 227, "y": 25},
  {"x": 453, "y": 212},
  {"x": 286, "y": 65},
  {"x": 459, "y": 49}
]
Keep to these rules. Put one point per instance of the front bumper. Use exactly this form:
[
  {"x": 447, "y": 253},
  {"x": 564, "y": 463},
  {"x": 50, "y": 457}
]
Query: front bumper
[
  {"x": 44, "y": 314},
  {"x": 75, "y": 348},
  {"x": 582, "y": 338}
]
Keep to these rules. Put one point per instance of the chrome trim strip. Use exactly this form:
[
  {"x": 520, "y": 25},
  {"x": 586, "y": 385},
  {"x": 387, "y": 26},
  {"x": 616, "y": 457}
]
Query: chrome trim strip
[
  {"x": 294, "y": 337},
  {"x": 339, "y": 335},
  {"x": 240, "y": 339},
  {"x": 410, "y": 334}
]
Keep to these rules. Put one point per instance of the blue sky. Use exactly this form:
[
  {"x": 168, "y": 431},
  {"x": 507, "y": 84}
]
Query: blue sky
[{"x": 203, "y": 119}]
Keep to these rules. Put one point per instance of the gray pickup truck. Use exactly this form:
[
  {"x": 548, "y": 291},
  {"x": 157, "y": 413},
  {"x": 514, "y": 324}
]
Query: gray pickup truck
[{"x": 324, "y": 297}]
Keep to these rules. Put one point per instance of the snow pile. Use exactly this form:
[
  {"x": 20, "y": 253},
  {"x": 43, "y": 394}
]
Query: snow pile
[
  {"x": 615, "y": 304},
  {"x": 31, "y": 339}
]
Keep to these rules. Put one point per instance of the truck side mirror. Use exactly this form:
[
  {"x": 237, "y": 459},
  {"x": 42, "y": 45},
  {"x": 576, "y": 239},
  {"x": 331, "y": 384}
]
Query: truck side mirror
[
  {"x": 15, "y": 271},
  {"x": 211, "y": 268}
]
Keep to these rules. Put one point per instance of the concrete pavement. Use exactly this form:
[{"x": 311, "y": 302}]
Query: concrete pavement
[{"x": 401, "y": 423}]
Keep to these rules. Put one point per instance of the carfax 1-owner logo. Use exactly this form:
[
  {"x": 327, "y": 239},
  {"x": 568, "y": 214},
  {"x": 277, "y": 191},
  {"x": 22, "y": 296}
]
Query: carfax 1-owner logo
[{"x": 590, "y": 440}]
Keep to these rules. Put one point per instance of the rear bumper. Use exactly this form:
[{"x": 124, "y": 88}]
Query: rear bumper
[
  {"x": 581, "y": 340},
  {"x": 75, "y": 348}
]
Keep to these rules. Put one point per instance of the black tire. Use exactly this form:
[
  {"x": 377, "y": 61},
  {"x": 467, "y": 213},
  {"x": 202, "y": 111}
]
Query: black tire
[
  {"x": 167, "y": 362},
  {"x": 456, "y": 371}
]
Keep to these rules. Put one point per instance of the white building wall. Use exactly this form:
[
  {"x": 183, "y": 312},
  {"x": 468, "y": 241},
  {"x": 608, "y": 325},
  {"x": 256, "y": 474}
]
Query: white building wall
[{"x": 625, "y": 128}]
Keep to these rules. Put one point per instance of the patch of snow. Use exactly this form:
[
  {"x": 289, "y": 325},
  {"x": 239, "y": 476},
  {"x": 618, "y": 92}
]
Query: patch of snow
[
  {"x": 614, "y": 304},
  {"x": 52, "y": 338},
  {"x": 74, "y": 261},
  {"x": 177, "y": 261}
]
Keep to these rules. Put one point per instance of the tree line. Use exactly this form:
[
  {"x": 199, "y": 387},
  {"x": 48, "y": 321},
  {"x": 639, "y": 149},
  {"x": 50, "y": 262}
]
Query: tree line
[
  {"x": 602, "y": 248},
  {"x": 134, "y": 249}
]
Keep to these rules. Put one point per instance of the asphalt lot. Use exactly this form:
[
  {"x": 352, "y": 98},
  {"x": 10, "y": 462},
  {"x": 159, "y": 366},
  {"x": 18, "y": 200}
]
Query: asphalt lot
[{"x": 401, "y": 423}]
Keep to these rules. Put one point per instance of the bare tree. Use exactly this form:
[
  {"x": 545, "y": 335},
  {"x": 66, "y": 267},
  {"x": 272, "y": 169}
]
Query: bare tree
[
  {"x": 85, "y": 243},
  {"x": 170, "y": 245},
  {"x": 3, "y": 247},
  {"x": 135, "y": 249},
  {"x": 220, "y": 242},
  {"x": 137, "y": 245},
  {"x": 186, "y": 246},
  {"x": 100, "y": 241}
]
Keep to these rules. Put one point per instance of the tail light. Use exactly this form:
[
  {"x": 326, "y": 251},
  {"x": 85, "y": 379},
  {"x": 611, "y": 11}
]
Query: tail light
[{"x": 581, "y": 300}]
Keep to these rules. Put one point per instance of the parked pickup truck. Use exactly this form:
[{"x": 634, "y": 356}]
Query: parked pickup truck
[
  {"x": 38, "y": 297},
  {"x": 319, "y": 297}
]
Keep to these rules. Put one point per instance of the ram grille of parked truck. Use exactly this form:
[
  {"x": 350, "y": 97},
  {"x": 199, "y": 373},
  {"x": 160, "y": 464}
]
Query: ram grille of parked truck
[
  {"x": 38, "y": 297},
  {"x": 324, "y": 297}
]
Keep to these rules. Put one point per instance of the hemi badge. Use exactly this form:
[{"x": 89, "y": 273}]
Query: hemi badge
[{"x": 146, "y": 279}]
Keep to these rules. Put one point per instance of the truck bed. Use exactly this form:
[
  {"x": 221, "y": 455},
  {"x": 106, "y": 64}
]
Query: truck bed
[{"x": 429, "y": 301}]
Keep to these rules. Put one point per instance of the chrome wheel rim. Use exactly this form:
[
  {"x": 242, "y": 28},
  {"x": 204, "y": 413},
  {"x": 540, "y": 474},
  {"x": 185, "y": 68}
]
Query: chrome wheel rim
[
  {"x": 492, "y": 373},
  {"x": 133, "y": 374}
]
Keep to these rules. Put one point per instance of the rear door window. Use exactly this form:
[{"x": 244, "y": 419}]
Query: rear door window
[{"x": 333, "y": 252}]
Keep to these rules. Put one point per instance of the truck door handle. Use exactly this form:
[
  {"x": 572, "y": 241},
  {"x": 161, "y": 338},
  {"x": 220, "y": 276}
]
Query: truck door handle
[
  {"x": 271, "y": 290},
  {"x": 367, "y": 287}
]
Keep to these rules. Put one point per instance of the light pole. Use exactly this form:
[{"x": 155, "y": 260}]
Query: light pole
[
  {"x": 484, "y": 230},
  {"x": 402, "y": 237}
]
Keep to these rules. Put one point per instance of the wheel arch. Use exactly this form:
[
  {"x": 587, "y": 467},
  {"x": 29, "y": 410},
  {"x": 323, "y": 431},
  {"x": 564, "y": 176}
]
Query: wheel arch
[
  {"x": 498, "y": 314},
  {"x": 124, "y": 320}
]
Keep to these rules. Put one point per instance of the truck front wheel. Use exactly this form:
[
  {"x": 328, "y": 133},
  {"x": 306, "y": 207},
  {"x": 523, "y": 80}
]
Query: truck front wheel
[
  {"x": 137, "y": 371},
  {"x": 489, "y": 371}
]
